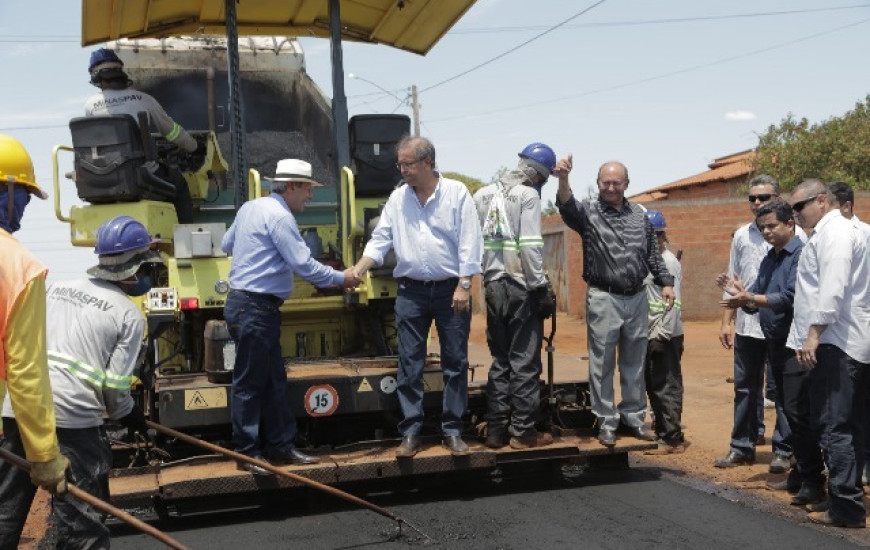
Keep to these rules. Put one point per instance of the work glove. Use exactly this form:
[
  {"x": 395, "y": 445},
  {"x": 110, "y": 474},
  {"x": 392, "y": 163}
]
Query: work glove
[
  {"x": 135, "y": 422},
  {"x": 50, "y": 475},
  {"x": 545, "y": 302}
]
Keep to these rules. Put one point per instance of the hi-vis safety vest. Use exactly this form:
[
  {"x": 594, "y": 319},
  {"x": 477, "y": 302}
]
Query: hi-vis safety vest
[{"x": 17, "y": 268}]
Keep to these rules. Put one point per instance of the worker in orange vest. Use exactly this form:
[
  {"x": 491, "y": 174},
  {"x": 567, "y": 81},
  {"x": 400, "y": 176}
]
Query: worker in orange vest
[{"x": 23, "y": 363}]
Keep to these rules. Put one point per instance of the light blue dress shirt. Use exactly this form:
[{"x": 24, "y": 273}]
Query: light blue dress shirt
[
  {"x": 433, "y": 242},
  {"x": 268, "y": 249}
]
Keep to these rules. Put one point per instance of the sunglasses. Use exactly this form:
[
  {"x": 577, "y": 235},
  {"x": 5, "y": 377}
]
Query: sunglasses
[
  {"x": 763, "y": 198},
  {"x": 799, "y": 205}
]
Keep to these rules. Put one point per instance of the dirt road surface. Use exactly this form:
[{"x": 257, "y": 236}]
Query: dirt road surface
[{"x": 707, "y": 421}]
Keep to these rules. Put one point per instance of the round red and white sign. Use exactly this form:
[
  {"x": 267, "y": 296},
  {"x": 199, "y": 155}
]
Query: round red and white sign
[{"x": 321, "y": 400}]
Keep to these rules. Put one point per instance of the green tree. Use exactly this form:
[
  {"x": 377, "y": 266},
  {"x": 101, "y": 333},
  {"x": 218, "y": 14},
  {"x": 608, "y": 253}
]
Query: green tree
[
  {"x": 835, "y": 149},
  {"x": 550, "y": 209},
  {"x": 472, "y": 184}
]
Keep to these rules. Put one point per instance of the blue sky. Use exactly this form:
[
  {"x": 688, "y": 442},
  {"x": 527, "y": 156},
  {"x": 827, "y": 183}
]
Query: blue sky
[{"x": 663, "y": 86}]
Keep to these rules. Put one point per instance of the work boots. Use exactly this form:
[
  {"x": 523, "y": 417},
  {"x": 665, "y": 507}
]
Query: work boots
[{"x": 531, "y": 439}]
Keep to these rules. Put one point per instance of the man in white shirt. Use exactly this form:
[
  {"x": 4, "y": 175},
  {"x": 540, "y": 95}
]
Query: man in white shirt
[
  {"x": 431, "y": 224},
  {"x": 844, "y": 200},
  {"x": 831, "y": 335}
]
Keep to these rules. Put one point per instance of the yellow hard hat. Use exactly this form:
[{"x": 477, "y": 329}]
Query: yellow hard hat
[{"x": 16, "y": 166}]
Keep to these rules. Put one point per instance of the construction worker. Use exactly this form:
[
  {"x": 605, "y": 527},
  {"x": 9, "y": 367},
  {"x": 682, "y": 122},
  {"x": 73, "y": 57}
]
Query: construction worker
[
  {"x": 517, "y": 297},
  {"x": 118, "y": 97},
  {"x": 23, "y": 365},
  {"x": 94, "y": 337},
  {"x": 663, "y": 372}
]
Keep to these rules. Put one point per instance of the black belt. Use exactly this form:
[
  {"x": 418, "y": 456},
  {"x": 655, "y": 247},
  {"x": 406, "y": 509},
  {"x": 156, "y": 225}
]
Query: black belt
[
  {"x": 453, "y": 281},
  {"x": 261, "y": 296},
  {"x": 616, "y": 290}
]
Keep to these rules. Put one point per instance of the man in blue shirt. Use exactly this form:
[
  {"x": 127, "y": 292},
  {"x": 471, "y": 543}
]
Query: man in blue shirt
[
  {"x": 771, "y": 296},
  {"x": 431, "y": 224},
  {"x": 268, "y": 251}
]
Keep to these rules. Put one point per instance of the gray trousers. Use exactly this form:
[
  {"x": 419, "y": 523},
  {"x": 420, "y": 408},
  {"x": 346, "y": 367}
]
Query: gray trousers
[
  {"x": 513, "y": 332},
  {"x": 617, "y": 322}
]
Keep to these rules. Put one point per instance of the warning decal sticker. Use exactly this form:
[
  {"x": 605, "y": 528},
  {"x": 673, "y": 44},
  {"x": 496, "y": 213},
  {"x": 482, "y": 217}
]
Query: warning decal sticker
[{"x": 205, "y": 398}]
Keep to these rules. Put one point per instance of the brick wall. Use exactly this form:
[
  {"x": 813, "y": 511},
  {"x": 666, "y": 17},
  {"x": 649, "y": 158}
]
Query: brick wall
[{"x": 700, "y": 226}]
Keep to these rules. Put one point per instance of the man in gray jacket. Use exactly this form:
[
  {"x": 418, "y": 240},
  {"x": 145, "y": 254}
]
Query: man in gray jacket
[{"x": 517, "y": 297}]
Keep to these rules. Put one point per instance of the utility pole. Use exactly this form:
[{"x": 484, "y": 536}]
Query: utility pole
[{"x": 416, "y": 110}]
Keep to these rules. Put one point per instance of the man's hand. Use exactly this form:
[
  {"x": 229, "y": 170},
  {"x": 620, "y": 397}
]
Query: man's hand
[
  {"x": 563, "y": 168},
  {"x": 730, "y": 285},
  {"x": 726, "y": 337},
  {"x": 668, "y": 297},
  {"x": 806, "y": 355},
  {"x": 50, "y": 475},
  {"x": 545, "y": 303},
  {"x": 351, "y": 279},
  {"x": 741, "y": 299},
  {"x": 461, "y": 300},
  {"x": 135, "y": 422}
]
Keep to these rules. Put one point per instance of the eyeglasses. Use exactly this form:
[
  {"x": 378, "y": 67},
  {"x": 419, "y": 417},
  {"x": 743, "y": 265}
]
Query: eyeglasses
[
  {"x": 799, "y": 205},
  {"x": 401, "y": 165},
  {"x": 763, "y": 197}
]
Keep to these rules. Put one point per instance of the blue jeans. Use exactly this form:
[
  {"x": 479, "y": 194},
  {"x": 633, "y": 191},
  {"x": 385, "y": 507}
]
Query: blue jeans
[
  {"x": 416, "y": 307},
  {"x": 259, "y": 377},
  {"x": 749, "y": 366},
  {"x": 836, "y": 410}
]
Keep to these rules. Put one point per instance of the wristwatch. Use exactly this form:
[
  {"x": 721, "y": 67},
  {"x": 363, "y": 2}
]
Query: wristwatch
[
  {"x": 752, "y": 303},
  {"x": 465, "y": 284}
]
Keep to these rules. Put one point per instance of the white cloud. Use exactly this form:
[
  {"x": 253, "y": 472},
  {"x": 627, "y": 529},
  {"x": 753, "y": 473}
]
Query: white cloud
[{"x": 740, "y": 116}]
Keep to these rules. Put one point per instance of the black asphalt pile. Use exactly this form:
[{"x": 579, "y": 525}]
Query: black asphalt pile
[{"x": 265, "y": 148}]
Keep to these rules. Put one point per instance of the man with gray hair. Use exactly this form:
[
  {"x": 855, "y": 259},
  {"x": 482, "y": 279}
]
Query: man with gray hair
[
  {"x": 831, "y": 336},
  {"x": 430, "y": 223}
]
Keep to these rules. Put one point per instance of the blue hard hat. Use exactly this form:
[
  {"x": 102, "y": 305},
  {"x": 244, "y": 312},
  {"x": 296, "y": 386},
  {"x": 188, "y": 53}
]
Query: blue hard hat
[
  {"x": 657, "y": 219},
  {"x": 122, "y": 234},
  {"x": 103, "y": 55},
  {"x": 540, "y": 153}
]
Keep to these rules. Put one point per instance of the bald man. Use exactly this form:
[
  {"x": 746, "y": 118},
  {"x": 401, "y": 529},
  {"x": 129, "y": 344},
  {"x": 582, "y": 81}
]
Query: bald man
[{"x": 620, "y": 249}]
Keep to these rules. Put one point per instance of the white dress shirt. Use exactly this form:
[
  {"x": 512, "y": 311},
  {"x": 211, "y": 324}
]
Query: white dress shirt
[
  {"x": 433, "y": 241},
  {"x": 833, "y": 288}
]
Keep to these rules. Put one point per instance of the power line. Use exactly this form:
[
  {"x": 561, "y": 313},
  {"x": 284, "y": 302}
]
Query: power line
[
  {"x": 657, "y": 77},
  {"x": 515, "y": 48},
  {"x": 527, "y": 28}
]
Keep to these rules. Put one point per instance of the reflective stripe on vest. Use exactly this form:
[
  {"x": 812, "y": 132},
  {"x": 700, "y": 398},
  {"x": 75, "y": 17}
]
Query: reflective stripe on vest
[
  {"x": 174, "y": 133},
  {"x": 93, "y": 376},
  {"x": 661, "y": 307}
]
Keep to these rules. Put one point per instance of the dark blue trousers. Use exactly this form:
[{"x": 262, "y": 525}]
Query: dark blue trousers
[
  {"x": 259, "y": 377},
  {"x": 74, "y": 524},
  {"x": 809, "y": 463},
  {"x": 749, "y": 365},
  {"x": 837, "y": 385},
  {"x": 416, "y": 307}
]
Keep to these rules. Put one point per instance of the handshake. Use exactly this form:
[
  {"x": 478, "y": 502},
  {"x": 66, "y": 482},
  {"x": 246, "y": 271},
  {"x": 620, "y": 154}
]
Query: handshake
[{"x": 351, "y": 278}]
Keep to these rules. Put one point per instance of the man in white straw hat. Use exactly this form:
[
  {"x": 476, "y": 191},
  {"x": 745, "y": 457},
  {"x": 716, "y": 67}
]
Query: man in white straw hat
[{"x": 268, "y": 251}]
